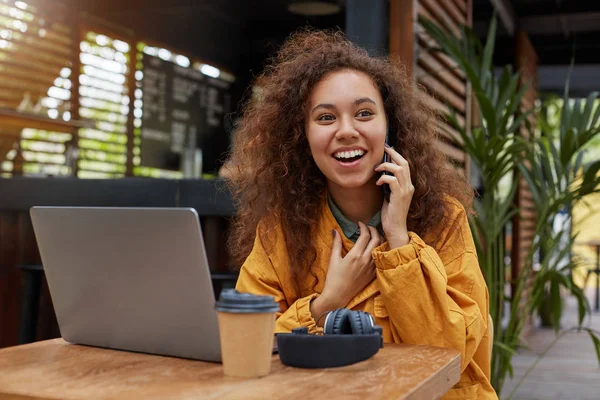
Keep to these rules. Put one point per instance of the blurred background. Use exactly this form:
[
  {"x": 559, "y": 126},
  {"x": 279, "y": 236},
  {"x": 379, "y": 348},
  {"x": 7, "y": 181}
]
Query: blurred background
[{"x": 134, "y": 103}]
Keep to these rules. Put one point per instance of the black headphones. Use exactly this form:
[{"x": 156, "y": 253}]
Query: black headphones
[{"x": 348, "y": 337}]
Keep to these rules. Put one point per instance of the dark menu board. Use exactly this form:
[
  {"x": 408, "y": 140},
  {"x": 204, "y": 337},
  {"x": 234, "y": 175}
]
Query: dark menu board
[{"x": 182, "y": 108}]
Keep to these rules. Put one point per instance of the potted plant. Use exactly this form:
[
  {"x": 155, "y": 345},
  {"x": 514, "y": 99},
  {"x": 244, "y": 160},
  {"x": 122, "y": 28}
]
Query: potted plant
[{"x": 497, "y": 150}]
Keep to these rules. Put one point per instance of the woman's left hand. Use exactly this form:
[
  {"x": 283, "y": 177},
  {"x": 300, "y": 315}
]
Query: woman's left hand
[{"x": 394, "y": 213}]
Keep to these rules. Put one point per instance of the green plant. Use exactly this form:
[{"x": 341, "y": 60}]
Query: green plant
[
  {"x": 558, "y": 180},
  {"x": 497, "y": 150}
]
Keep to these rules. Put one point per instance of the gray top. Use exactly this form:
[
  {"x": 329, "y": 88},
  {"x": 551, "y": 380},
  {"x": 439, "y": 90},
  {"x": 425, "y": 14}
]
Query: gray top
[{"x": 350, "y": 228}]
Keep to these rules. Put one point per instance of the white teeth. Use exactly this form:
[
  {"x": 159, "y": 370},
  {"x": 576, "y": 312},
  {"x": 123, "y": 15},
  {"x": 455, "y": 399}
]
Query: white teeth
[{"x": 348, "y": 154}]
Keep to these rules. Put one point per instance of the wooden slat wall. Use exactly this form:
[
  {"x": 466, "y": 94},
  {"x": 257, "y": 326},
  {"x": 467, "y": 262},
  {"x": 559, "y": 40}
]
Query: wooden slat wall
[
  {"x": 433, "y": 72},
  {"x": 104, "y": 96},
  {"x": 526, "y": 62},
  {"x": 438, "y": 75},
  {"x": 78, "y": 68},
  {"x": 35, "y": 58}
]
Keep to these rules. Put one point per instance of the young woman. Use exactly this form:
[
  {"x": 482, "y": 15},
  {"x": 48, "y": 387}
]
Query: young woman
[{"x": 314, "y": 229}]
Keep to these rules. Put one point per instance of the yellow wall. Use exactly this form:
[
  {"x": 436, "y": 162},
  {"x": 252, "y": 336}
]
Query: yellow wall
[{"x": 586, "y": 221}]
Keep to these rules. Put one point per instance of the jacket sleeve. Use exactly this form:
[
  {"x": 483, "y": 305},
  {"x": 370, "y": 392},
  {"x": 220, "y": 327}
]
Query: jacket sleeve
[
  {"x": 434, "y": 302},
  {"x": 258, "y": 276}
]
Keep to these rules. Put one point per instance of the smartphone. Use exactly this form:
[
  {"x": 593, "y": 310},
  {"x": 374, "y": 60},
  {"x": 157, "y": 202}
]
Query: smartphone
[{"x": 390, "y": 141}]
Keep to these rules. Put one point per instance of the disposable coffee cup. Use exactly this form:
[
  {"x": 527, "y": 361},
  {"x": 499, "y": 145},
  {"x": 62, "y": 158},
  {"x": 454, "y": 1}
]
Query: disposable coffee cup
[{"x": 246, "y": 332}]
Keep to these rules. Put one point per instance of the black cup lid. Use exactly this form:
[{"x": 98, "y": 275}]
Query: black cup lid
[{"x": 233, "y": 301}]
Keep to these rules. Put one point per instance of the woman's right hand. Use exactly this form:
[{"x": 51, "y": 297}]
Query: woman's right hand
[{"x": 347, "y": 276}]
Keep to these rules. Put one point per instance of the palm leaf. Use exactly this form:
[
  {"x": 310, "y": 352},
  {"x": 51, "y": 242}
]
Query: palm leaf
[
  {"x": 596, "y": 342},
  {"x": 508, "y": 86},
  {"x": 555, "y": 304},
  {"x": 576, "y": 115},
  {"x": 488, "y": 51},
  {"x": 596, "y": 117},
  {"x": 566, "y": 113},
  {"x": 584, "y": 137},
  {"x": 487, "y": 110},
  {"x": 504, "y": 347},
  {"x": 558, "y": 167},
  {"x": 576, "y": 167},
  {"x": 583, "y": 306},
  {"x": 585, "y": 122},
  {"x": 590, "y": 179}
]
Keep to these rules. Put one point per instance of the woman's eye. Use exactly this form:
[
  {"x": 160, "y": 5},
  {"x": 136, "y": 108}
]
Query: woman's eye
[
  {"x": 364, "y": 113},
  {"x": 326, "y": 117}
]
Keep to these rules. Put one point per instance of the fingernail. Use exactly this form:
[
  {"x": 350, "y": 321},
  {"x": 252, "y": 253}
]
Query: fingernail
[
  {"x": 333, "y": 233},
  {"x": 387, "y": 145},
  {"x": 377, "y": 165}
]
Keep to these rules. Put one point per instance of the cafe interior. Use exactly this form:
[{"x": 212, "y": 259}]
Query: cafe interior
[{"x": 134, "y": 103}]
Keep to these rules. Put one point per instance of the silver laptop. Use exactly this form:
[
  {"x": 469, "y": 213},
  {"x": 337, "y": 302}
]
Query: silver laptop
[{"x": 133, "y": 279}]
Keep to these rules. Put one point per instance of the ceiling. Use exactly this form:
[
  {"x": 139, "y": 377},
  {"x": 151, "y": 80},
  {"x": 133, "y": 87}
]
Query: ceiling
[
  {"x": 558, "y": 29},
  {"x": 239, "y": 35},
  {"x": 223, "y": 31},
  {"x": 235, "y": 35}
]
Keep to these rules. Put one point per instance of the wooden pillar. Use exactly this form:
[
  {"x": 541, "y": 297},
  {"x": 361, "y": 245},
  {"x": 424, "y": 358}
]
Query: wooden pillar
[
  {"x": 402, "y": 32},
  {"x": 526, "y": 63}
]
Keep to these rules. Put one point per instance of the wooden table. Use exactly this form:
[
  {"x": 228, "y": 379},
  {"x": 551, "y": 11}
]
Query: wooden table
[{"x": 54, "y": 369}]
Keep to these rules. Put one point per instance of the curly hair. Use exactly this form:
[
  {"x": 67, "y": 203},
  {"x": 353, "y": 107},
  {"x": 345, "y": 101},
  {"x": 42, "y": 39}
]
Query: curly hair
[{"x": 278, "y": 183}]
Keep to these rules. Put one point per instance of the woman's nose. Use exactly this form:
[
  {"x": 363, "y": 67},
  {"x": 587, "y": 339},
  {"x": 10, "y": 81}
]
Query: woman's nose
[{"x": 346, "y": 130}]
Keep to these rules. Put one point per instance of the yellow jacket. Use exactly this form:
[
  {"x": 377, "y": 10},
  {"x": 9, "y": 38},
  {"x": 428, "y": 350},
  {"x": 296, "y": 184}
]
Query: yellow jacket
[{"x": 422, "y": 295}]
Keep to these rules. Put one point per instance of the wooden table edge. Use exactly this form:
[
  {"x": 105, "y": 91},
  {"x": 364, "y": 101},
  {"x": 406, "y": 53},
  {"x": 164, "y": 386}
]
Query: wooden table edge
[
  {"x": 427, "y": 387},
  {"x": 416, "y": 392}
]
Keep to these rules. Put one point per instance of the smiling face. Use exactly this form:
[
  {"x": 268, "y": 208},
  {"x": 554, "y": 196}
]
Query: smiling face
[{"x": 346, "y": 127}]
